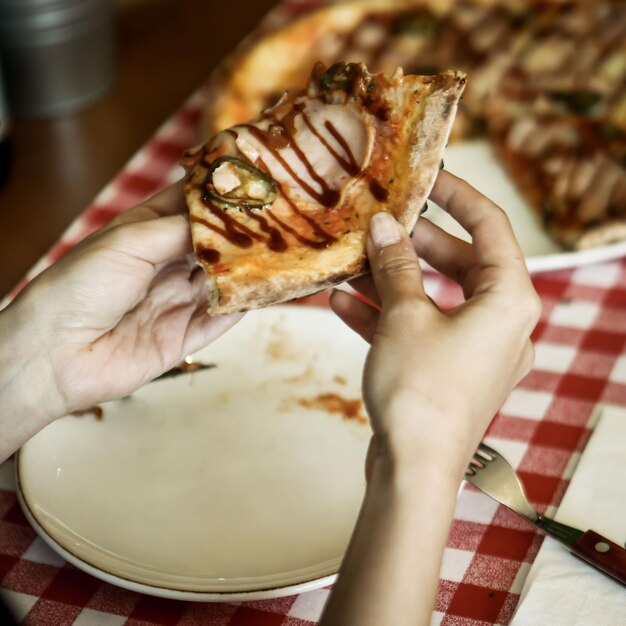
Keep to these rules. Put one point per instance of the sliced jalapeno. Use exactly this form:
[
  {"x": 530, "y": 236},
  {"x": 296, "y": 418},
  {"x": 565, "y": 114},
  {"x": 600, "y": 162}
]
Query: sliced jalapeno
[
  {"x": 609, "y": 132},
  {"x": 338, "y": 76},
  {"x": 234, "y": 182},
  {"x": 415, "y": 24},
  {"x": 580, "y": 102}
]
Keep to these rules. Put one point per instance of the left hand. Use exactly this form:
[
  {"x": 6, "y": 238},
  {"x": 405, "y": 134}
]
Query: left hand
[{"x": 122, "y": 307}]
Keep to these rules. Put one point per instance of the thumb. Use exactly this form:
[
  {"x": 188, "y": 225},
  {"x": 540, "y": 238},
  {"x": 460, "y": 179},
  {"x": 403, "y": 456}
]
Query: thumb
[
  {"x": 158, "y": 240},
  {"x": 393, "y": 261}
]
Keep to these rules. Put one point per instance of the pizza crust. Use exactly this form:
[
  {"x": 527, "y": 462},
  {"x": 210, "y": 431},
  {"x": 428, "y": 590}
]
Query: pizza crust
[
  {"x": 611, "y": 232},
  {"x": 238, "y": 87}
]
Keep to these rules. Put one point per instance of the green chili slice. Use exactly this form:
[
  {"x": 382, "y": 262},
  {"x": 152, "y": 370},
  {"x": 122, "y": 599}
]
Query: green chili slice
[
  {"x": 339, "y": 76},
  {"x": 580, "y": 102},
  {"x": 420, "y": 24},
  {"x": 254, "y": 191}
]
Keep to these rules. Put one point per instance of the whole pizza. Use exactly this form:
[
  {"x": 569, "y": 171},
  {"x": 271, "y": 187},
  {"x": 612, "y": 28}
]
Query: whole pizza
[{"x": 546, "y": 85}]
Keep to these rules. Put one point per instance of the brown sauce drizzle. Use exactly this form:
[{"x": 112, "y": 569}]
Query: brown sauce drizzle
[
  {"x": 230, "y": 232},
  {"x": 240, "y": 235},
  {"x": 325, "y": 239},
  {"x": 96, "y": 410},
  {"x": 351, "y": 166},
  {"x": 280, "y": 135},
  {"x": 378, "y": 191},
  {"x": 328, "y": 197},
  {"x": 349, "y": 409},
  {"x": 276, "y": 241},
  {"x": 209, "y": 255},
  {"x": 311, "y": 243}
]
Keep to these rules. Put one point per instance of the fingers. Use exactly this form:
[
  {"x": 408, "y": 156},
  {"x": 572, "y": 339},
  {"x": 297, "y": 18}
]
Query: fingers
[
  {"x": 393, "y": 261},
  {"x": 156, "y": 231},
  {"x": 364, "y": 285},
  {"x": 359, "y": 316},
  {"x": 447, "y": 254},
  {"x": 168, "y": 201},
  {"x": 204, "y": 329},
  {"x": 155, "y": 241},
  {"x": 492, "y": 236}
]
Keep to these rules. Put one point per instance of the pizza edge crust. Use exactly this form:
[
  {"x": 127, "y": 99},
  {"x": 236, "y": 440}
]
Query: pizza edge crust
[
  {"x": 575, "y": 237},
  {"x": 427, "y": 144},
  {"x": 340, "y": 17},
  {"x": 605, "y": 234}
]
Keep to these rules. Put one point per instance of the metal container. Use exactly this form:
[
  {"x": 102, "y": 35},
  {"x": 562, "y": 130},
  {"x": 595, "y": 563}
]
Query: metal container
[
  {"x": 5, "y": 138},
  {"x": 58, "y": 55}
]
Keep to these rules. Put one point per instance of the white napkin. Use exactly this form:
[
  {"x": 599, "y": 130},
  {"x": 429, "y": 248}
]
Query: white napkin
[{"x": 561, "y": 590}]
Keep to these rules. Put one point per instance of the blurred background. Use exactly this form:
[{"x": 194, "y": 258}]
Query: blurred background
[{"x": 134, "y": 62}]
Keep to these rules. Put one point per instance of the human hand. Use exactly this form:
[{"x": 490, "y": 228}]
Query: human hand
[
  {"x": 433, "y": 380},
  {"x": 123, "y": 306}
]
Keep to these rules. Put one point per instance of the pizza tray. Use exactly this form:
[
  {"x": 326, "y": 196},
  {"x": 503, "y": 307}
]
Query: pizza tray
[{"x": 238, "y": 482}]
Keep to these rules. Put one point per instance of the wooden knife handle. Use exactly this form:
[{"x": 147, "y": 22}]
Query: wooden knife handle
[{"x": 602, "y": 553}]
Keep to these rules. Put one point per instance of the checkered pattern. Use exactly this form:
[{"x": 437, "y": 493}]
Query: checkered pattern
[{"x": 542, "y": 428}]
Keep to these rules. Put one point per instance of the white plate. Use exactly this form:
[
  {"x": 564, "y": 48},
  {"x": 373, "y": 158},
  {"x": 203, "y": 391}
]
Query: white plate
[
  {"x": 216, "y": 485},
  {"x": 475, "y": 162}
]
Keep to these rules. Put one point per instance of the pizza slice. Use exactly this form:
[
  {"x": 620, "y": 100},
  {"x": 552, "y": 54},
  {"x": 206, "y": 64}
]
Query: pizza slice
[
  {"x": 572, "y": 169},
  {"x": 280, "y": 206}
]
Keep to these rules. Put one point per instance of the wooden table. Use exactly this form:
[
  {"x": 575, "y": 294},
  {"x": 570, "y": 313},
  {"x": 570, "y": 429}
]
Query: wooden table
[{"x": 165, "y": 48}]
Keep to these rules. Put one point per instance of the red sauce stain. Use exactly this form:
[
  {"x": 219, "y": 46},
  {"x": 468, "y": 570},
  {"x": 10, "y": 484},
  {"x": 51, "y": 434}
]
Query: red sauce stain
[
  {"x": 95, "y": 410},
  {"x": 350, "y": 409}
]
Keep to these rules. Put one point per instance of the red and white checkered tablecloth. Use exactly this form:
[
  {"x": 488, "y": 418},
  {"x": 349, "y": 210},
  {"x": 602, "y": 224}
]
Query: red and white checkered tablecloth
[{"x": 542, "y": 429}]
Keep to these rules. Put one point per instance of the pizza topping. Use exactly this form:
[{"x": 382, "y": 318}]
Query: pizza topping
[
  {"x": 232, "y": 182},
  {"x": 371, "y": 34},
  {"x": 547, "y": 87},
  {"x": 582, "y": 178},
  {"x": 549, "y": 55},
  {"x": 519, "y": 132},
  {"x": 349, "y": 78},
  {"x": 529, "y": 138},
  {"x": 581, "y": 102},
  {"x": 613, "y": 67},
  {"x": 225, "y": 178},
  {"x": 420, "y": 24},
  {"x": 608, "y": 179},
  {"x": 312, "y": 149}
]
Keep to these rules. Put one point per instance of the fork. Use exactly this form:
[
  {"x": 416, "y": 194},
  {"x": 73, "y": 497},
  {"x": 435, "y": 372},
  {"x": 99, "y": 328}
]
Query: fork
[{"x": 492, "y": 473}]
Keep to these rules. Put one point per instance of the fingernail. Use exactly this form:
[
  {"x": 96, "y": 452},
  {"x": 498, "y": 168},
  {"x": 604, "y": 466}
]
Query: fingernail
[{"x": 384, "y": 230}]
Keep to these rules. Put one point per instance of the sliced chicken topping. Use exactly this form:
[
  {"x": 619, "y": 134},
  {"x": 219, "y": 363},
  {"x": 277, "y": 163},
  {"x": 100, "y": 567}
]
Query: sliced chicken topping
[
  {"x": 596, "y": 203},
  {"x": 225, "y": 177},
  {"x": 532, "y": 139},
  {"x": 232, "y": 182},
  {"x": 548, "y": 56},
  {"x": 310, "y": 149}
]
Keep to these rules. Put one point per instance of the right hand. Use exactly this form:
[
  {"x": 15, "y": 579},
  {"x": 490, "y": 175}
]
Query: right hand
[{"x": 433, "y": 380}]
